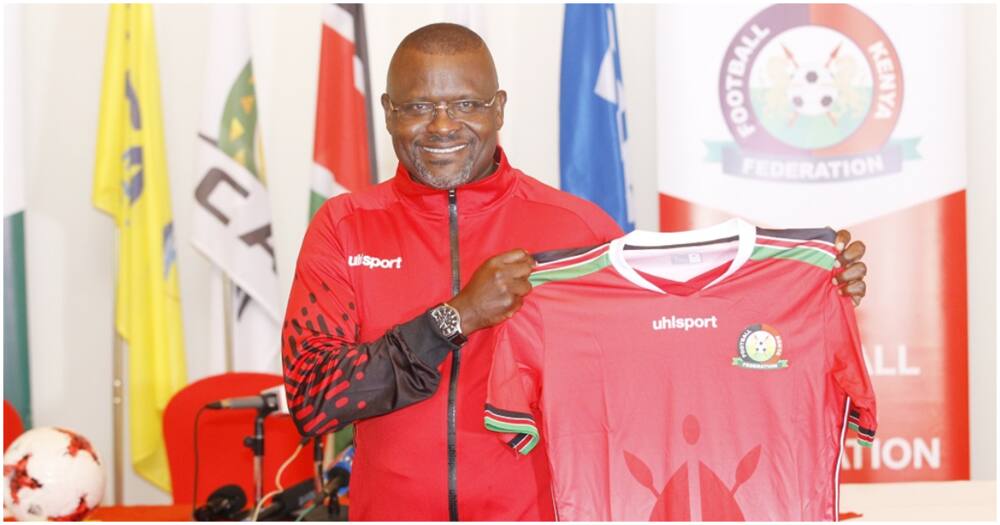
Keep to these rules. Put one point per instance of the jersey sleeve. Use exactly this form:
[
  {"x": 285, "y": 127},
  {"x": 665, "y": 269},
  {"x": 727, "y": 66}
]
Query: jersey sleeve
[
  {"x": 331, "y": 377},
  {"x": 849, "y": 371},
  {"x": 513, "y": 387}
]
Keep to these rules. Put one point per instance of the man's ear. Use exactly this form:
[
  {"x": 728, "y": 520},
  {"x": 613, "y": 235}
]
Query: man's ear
[
  {"x": 385, "y": 108},
  {"x": 501, "y": 102}
]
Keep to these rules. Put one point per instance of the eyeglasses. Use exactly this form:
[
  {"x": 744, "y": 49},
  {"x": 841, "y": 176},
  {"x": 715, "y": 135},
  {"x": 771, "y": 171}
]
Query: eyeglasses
[{"x": 457, "y": 109}]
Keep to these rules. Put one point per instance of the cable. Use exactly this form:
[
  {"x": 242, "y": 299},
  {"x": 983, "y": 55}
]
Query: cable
[
  {"x": 306, "y": 511},
  {"x": 260, "y": 504},
  {"x": 277, "y": 481},
  {"x": 194, "y": 497}
]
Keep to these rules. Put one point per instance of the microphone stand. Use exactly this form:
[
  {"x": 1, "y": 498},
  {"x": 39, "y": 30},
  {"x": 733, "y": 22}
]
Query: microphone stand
[
  {"x": 318, "y": 478},
  {"x": 256, "y": 444}
]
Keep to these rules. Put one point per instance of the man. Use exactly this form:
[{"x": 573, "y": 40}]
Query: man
[{"x": 396, "y": 287}]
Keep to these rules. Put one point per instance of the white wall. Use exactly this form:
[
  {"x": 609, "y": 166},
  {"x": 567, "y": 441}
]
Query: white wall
[
  {"x": 70, "y": 262},
  {"x": 981, "y": 220}
]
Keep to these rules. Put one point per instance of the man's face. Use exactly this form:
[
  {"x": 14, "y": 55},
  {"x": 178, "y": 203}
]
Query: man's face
[{"x": 441, "y": 151}]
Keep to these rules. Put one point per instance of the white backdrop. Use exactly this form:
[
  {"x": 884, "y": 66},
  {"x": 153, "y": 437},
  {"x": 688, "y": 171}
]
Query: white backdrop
[{"x": 69, "y": 244}]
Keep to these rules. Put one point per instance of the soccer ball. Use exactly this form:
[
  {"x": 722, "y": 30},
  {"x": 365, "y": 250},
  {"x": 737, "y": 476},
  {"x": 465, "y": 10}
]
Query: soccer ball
[{"x": 50, "y": 473}]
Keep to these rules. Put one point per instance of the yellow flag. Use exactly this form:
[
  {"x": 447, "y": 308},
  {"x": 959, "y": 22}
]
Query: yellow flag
[{"x": 130, "y": 184}]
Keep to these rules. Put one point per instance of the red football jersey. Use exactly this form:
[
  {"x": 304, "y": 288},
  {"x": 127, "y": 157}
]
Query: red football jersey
[{"x": 703, "y": 375}]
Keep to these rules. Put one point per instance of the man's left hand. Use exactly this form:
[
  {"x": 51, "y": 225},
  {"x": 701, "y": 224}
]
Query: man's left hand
[{"x": 851, "y": 281}]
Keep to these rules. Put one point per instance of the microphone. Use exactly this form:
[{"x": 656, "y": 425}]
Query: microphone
[
  {"x": 297, "y": 496},
  {"x": 222, "y": 504},
  {"x": 267, "y": 401},
  {"x": 279, "y": 392},
  {"x": 339, "y": 475}
]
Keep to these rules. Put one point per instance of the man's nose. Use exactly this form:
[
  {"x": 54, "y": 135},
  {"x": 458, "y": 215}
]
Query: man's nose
[{"x": 441, "y": 122}]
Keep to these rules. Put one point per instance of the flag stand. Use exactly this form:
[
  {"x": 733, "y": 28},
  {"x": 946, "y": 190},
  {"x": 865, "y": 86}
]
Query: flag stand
[
  {"x": 227, "y": 325},
  {"x": 119, "y": 415},
  {"x": 117, "y": 398}
]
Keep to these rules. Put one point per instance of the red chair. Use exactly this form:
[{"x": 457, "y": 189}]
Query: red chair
[
  {"x": 12, "y": 424},
  {"x": 222, "y": 457}
]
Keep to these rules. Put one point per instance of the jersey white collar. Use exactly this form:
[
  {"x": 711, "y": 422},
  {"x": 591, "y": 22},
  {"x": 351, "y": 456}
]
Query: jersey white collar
[{"x": 744, "y": 231}]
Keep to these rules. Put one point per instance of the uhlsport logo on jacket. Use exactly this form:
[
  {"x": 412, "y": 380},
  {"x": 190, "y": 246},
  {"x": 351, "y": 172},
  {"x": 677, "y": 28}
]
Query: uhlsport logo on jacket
[{"x": 375, "y": 262}]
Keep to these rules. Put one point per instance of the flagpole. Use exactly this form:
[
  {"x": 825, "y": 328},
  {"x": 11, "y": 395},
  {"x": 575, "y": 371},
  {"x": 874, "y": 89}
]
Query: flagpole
[
  {"x": 227, "y": 317},
  {"x": 119, "y": 418},
  {"x": 117, "y": 400}
]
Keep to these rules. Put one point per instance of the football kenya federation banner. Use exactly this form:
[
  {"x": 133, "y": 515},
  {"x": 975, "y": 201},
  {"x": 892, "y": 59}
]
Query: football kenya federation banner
[{"x": 831, "y": 115}]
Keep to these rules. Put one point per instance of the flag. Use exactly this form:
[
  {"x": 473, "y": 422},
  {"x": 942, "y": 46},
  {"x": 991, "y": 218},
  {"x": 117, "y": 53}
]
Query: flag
[
  {"x": 232, "y": 212},
  {"x": 343, "y": 151},
  {"x": 15, "y": 306},
  {"x": 130, "y": 184},
  {"x": 592, "y": 130}
]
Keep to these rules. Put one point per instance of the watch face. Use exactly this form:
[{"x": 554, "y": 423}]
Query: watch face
[{"x": 447, "y": 320}]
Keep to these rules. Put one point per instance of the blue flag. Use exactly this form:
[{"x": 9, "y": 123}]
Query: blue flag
[{"x": 592, "y": 131}]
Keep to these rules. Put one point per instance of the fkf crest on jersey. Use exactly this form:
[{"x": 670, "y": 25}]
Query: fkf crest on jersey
[{"x": 760, "y": 348}]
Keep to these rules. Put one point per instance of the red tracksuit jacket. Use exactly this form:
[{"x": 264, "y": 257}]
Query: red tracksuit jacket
[{"x": 359, "y": 346}]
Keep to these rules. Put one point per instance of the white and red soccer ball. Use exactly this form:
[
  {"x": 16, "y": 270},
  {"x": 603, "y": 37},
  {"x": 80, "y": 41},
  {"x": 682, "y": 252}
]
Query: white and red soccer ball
[{"x": 51, "y": 474}]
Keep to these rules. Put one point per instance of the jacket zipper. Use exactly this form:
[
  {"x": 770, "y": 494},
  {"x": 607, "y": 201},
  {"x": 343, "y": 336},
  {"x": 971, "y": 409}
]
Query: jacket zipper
[{"x": 456, "y": 359}]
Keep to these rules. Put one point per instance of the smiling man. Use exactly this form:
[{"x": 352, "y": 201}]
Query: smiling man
[
  {"x": 450, "y": 139},
  {"x": 399, "y": 345}
]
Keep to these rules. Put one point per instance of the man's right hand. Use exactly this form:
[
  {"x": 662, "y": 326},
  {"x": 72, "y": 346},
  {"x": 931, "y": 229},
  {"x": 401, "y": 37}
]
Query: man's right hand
[{"x": 495, "y": 292}]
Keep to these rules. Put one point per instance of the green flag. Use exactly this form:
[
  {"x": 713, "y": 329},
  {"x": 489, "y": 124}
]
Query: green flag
[{"x": 16, "y": 388}]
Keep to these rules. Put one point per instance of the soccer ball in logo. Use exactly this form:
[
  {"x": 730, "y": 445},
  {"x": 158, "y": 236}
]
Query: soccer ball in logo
[
  {"x": 812, "y": 90},
  {"x": 51, "y": 474},
  {"x": 761, "y": 346}
]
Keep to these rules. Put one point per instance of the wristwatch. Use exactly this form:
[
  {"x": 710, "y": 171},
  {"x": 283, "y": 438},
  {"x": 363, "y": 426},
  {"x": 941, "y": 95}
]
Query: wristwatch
[{"x": 448, "y": 323}]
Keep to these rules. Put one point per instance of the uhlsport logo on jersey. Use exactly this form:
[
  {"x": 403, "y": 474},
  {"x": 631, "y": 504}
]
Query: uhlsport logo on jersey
[
  {"x": 811, "y": 93},
  {"x": 760, "y": 348},
  {"x": 684, "y": 323}
]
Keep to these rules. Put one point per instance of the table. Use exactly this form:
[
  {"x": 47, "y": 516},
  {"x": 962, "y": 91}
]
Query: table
[
  {"x": 910, "y": 501},
  {"x": 142, "y": 513},
  {"x": 921, "y": 501}
]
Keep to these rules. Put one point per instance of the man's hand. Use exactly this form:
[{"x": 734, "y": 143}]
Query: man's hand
[
  {"x": 495, "y": 292},
  {"x": 851, "y": 281}
]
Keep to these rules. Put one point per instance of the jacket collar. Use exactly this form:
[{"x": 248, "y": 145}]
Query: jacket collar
[{"x": 472, "y": 198}]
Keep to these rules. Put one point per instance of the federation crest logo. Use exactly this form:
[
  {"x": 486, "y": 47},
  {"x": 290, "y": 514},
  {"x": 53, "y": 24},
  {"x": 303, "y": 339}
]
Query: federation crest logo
[
  {"x": 811, "y": 93},
  {"x": 759, "y": 348}
]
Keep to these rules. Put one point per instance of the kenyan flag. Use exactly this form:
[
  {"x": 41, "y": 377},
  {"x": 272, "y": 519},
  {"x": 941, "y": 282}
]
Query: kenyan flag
[{"x": 343, "y": 148}]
